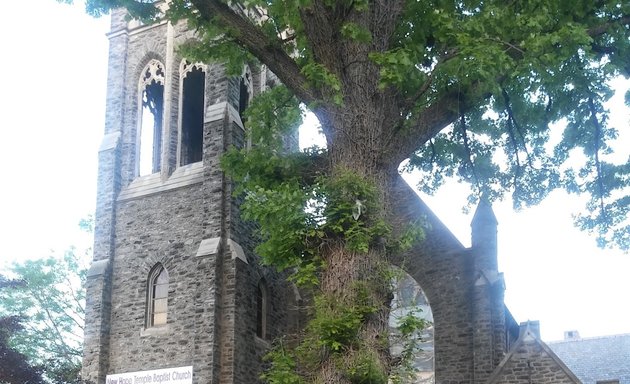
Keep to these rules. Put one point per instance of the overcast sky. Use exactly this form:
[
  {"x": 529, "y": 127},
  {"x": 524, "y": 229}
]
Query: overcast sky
[{"x": 52, "y": 97}]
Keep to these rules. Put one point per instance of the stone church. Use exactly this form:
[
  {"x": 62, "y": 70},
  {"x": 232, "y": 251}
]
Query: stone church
[{"x": 175, "y": 293}]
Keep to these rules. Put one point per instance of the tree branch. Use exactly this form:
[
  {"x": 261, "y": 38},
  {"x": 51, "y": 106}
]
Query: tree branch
[
  {"x": 435, "y": 117},
  {"x": 598, "y": 164},
  {"x": 469, "y": 160},
  {"x": 59, "y": 335},
  {"x": 603, "y": 28},
  {"x": 409, "y": 102},
  {"x": 251, "y": 38},
  {"x": 75, "y": 297}
]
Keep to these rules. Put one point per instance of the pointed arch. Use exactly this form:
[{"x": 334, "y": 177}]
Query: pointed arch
[
  {"x": 246, "y": 90},
  {"x": 150, "y": 118},
  {"x": 410, "y": 299},
  {"x": 157, "y": 296}
]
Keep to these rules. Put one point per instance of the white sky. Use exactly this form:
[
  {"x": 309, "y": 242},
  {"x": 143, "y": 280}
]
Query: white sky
[{"x": 52, "y": 99}]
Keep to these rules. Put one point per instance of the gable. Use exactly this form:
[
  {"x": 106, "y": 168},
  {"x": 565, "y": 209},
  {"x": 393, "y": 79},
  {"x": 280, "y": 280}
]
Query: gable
[{"x": 531, "y": 361}]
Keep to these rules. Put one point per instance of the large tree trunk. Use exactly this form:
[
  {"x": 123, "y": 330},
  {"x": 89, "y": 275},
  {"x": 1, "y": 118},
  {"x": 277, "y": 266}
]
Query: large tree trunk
[{"x": 347, "y": 271}]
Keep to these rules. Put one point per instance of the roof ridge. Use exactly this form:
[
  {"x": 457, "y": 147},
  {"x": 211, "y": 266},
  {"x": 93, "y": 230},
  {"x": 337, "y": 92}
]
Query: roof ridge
[{"x": 618, "y": 335}]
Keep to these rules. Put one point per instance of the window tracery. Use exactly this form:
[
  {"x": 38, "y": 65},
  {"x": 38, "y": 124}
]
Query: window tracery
[{"x": 150, "y": 118}]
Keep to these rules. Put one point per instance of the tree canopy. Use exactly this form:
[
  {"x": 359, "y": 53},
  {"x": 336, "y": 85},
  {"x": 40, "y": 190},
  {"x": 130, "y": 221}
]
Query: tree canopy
[
  {"x": 47, "y": 299},
  {"x": 499, "y": 74},
  {"x": 508, "y": 96},
  {"x": 14, "y": 366}
]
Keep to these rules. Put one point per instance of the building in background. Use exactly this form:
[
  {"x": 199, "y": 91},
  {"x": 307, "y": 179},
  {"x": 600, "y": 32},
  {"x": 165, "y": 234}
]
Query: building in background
[{"x": 595, "y": 360}]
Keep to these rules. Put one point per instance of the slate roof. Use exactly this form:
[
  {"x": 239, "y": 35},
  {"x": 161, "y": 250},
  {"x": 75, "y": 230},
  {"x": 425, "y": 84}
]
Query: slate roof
[{"x": 597, "y": 358}]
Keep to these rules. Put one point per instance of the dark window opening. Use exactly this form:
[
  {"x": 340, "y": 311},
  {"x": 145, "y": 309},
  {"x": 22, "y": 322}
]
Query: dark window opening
[
  {"x": 243, "y": 100},
  {"x": 151, "y": 128},
  {"x": 192, "y": 116},
  {"x": 157, "y": 297},
  {"x": 261, "y": 311}
]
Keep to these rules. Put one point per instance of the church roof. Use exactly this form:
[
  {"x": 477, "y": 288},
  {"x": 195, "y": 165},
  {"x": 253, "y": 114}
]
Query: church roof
[{"x": 597, "y": 358}]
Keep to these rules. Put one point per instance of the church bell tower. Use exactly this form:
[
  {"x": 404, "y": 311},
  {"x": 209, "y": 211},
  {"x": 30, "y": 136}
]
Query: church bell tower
[{"x": 175, "y": 291}]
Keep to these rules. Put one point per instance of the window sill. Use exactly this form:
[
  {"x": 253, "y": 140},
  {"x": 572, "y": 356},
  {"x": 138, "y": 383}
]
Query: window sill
[
  {"x": 262, "y": 343},
  {"x": 150, "y": 184},
  {"x": 155, "y": 331}
]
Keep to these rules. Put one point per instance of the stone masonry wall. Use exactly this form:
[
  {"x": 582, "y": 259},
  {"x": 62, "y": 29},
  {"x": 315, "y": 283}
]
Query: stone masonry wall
[
  {"x": 165, "y": 228},
  {"x": 464, "y": 315}
]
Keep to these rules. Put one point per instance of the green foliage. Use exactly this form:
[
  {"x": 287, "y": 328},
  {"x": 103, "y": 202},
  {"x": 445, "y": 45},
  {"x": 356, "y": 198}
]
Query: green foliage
[
  {"x": 539, "y": 64},
  {"x": 356, "y": 32},
  {"x": 398, "y": 68},
  {"x": 363, "y": 367},
  {"x": 332, "y": 333},
  {"x": 335, "y": 324},
  {"x": 520, "y": 69},
  {"x": 144, "y": 10},
  {"x": 283, "y": 367},
  {"x": 50, "y": 299},
  {"x": 14, "y": 366},
  {"x": 294, "y": 218},
  {"x": 411, "y": 323},
  {"x": 321, "y": 78},
  {"x": 337, "y": 320},
  {"x": 408, "y": 331},
  {"x": 272, "y": 117},
  {"x": 352, "y": 210},
  {"x": 413, "y": 234}
]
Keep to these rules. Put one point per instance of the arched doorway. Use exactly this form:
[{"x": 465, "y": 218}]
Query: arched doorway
[{"x": 410, "y": 300}]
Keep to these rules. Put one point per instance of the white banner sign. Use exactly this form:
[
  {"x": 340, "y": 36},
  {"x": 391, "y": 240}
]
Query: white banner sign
[{"x": 179, "y": 375}]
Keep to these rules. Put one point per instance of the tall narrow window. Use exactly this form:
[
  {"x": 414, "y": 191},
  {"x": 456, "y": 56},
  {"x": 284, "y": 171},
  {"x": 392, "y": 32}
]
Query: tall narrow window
[
  {"x": 150, "y": 119},
  {"x": 245, "y": 91},
  {"x": 157, "y": 298},
  {"x": 192, "y": 110},
  {"x": 261, "y": 310}
]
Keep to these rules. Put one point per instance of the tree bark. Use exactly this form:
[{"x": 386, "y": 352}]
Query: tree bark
[{"x": 346, "y": 269}]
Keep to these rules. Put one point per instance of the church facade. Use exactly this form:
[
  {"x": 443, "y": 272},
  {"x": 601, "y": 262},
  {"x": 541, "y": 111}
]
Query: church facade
[{"x": 176, "y": 293}]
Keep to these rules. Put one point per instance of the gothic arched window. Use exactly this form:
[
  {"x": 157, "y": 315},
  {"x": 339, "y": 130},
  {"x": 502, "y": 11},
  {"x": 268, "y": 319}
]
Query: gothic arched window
[
  {"x": 157, "y": 296},
  {"x": 246, "y": 91},
  {"x": 262, "y": 303},
  {"x": 245, "y": 95},
  {"x": 150, "y": 118},
  {"x": 193, "y": 86}
]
